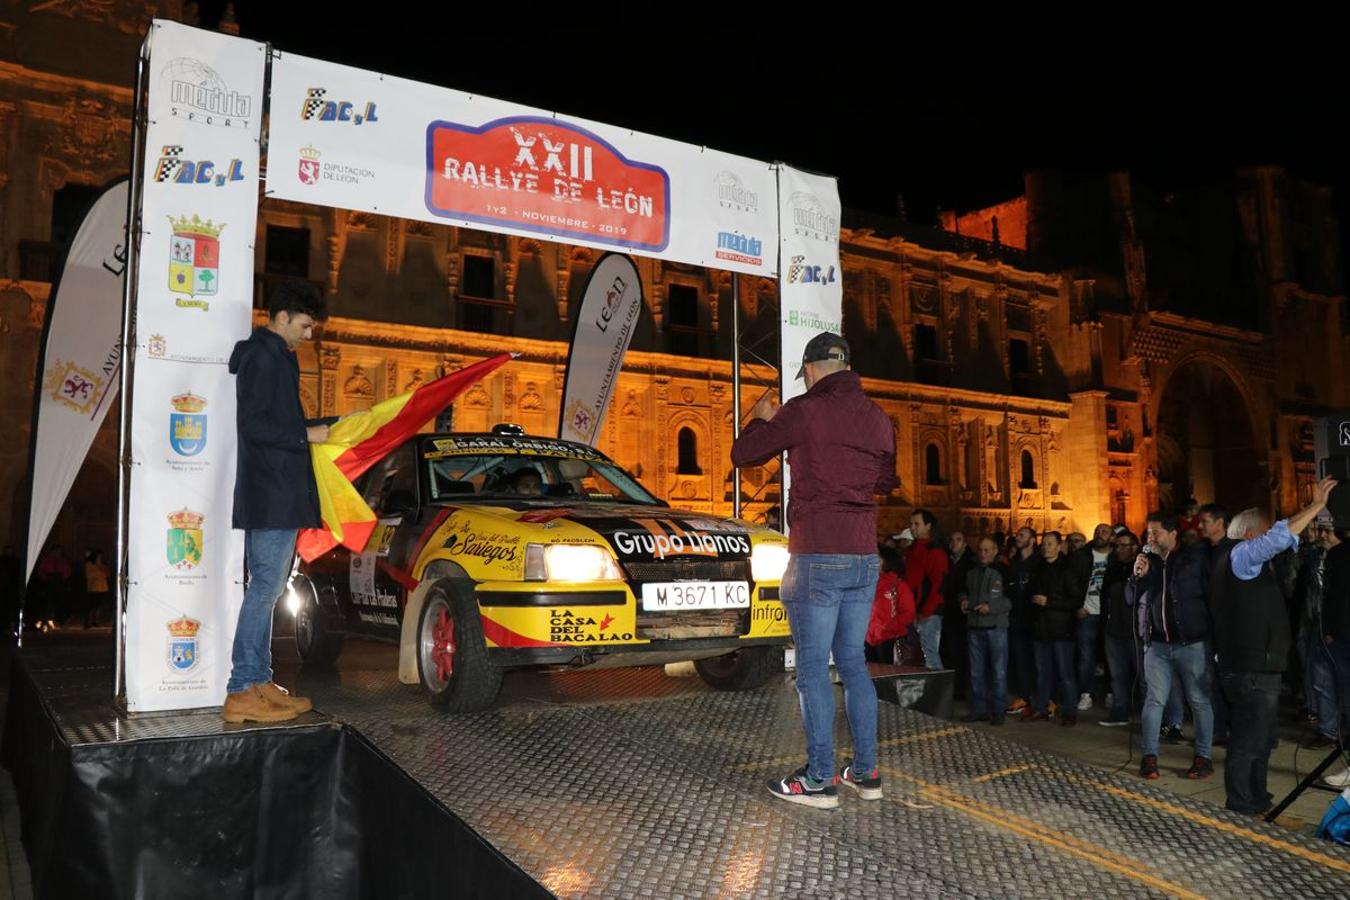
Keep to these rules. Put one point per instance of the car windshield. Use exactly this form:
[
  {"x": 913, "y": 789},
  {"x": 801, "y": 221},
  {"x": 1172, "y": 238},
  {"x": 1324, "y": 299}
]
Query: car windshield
[{"x": 456, "y": 473}]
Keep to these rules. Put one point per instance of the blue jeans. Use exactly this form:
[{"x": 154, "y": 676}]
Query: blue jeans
[
  {"x": 1187, "y": 660},
  {"x": 1319, "y": 682},
  {"x": 1022, "y": 658},
  {"x": 1339, "y": 664},
  {"x": 269, "y": 553},
  {"x": 930, "y": 638},
  {"x": 1086, "y": 634},
  {"x": 828, "y": 598},
  {"x": 1173, "y": 712},
  {"x": 988, "y": 648},
  {"x": 1124, "y": 661},
  {"x": 1054, "y": 666}
]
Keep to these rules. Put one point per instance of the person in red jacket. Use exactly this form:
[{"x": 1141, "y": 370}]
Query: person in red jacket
[
  {"x": 841, "y": 449},
  {"x": 892, "y": 609},
  {"x": 925, "y": 572}
]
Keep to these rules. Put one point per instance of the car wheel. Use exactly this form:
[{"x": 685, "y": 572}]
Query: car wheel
[
  {"x": 452, "y": 657},
  {"x": 741, "y": 670},
  {"x": 317, "y": 643}
]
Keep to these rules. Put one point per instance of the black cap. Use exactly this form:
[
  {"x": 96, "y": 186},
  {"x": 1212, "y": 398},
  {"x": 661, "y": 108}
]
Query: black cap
[{"x": 826, "y": 345}]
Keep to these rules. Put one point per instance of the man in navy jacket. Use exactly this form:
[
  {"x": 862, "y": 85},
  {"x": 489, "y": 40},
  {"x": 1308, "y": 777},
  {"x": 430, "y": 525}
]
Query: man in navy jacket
[{"x": 274, "y": 493}]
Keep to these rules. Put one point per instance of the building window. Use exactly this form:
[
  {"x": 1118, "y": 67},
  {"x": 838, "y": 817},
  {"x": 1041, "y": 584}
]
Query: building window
[
  {"x": 926, "y": 343},
  {"x": 682, "y": 326},
  {"x": 480, "y": 277},
  {"x": 1028, "y": 480},
  {"x": 688, "y": 444},
  {"x": 932, "y": 465},
  {"x": 1019, "y": 357},
  {"x": 287, "y": 251}
]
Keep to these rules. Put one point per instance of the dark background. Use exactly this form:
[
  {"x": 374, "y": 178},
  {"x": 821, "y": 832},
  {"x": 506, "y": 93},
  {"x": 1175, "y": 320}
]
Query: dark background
[{"x": 948, "y": 113}]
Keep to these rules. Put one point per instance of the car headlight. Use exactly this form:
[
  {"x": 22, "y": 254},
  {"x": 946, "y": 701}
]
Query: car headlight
[
  {"x": 768, "y": 562},
  {"x": 570, "y": 562},
  {"x": 292, "y": 600}
]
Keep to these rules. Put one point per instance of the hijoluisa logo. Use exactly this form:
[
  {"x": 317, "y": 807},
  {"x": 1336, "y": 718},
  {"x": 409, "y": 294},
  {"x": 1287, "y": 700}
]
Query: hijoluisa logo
[{"x": 198, "y": 94}]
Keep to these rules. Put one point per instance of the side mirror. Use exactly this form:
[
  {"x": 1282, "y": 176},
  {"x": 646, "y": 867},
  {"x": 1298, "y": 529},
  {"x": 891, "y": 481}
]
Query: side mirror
[{"x": 400, "y": 503}]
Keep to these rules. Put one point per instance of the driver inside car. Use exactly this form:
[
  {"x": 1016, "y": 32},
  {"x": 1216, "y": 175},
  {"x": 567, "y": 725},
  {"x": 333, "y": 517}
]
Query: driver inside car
[{"x": 526, "y": 483}]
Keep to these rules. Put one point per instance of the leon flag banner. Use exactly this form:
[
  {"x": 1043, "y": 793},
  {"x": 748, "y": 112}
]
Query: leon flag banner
[{"x": 359, "y": 441}]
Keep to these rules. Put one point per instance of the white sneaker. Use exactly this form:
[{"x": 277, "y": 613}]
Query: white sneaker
[
  {"x": 1338, "y": 780},
  {"x": 1085, "y": 701}
]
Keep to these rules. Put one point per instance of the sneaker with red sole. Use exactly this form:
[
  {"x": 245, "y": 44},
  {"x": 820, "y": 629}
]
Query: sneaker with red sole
[
  {"x": 1148, "y": 767},
  {"x": 1200, "y": 769},
  {"x": 868, "y": 786}
]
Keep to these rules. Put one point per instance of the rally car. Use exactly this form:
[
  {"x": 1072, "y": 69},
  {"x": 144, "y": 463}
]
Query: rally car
[{"x": 500, "y": 550}]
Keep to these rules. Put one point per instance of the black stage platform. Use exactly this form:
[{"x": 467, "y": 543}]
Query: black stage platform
[{"x": 620, "y": 783}]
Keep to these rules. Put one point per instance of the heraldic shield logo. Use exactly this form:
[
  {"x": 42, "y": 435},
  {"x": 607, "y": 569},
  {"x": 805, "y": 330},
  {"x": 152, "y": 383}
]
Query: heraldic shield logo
[
  {"x": 187, "y": 425},
  {"x": 184, "y": 651},
  {"x": 185, "y": 539},
  {"x": 194, "y": 256}
]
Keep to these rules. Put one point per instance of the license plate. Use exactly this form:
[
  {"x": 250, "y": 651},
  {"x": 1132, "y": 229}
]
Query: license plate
[{"x": 695, "y": 595}]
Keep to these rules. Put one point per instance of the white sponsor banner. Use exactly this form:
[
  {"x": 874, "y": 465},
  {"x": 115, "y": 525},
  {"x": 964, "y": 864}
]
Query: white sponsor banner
[
  {"x": 604, "y": 327},
  {"x": 193, "y": 302},
  {"x": 82, "y": 359},
  {"x": 811, "y": 282},
  {"x": 355, "y": 139}
]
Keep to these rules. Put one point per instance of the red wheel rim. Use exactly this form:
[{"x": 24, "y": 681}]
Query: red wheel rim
[{"x": 443, "y": 645}]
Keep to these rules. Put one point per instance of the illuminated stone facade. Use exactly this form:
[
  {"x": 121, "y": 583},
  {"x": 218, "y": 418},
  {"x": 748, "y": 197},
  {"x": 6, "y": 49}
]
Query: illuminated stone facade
[{"x": 1022, "y": 392}]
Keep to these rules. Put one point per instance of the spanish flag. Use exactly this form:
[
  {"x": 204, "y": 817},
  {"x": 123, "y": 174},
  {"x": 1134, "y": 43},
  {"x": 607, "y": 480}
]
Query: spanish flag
[{"x": 357, "y": 442}]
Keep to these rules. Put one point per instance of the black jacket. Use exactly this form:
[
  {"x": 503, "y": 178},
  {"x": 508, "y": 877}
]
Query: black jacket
[
  {"x": 1336, "y": 593},
  {"x": 274, "y": 479},
  {"x": 1178, "y": 614},
  {"x": 1115, "y": 605},
  {"x": 1251, "y": 624},
  {"x": 1063, "y": 589},
  {"x": 1021, "y": 573}
]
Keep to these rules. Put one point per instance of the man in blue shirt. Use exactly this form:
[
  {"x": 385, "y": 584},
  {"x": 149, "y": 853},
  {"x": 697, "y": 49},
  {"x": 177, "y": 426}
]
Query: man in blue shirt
[{"x": 1251, "y": 638}]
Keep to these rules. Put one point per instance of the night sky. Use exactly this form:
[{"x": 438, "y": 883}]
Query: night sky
[{"x": 948, "y": 113}]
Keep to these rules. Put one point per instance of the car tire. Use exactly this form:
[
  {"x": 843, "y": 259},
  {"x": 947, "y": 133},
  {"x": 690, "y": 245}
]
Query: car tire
[
  {"x": 741, "y": 670},
  {"x": 317, "y": 644},
  {"x": 452, "y": 655}
]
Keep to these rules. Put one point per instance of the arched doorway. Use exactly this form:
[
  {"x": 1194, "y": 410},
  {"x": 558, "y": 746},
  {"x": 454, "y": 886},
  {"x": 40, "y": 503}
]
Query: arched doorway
[{"x": 1206, "y": 441}]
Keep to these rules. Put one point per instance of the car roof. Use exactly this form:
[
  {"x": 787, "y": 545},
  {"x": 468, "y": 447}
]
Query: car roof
[{"x": 443, "y": 444}]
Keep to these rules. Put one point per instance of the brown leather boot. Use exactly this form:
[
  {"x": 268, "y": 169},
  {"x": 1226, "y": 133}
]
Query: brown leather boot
[
  {"x": 279, "y": 696},
  {"x": 252, "y": 705}
]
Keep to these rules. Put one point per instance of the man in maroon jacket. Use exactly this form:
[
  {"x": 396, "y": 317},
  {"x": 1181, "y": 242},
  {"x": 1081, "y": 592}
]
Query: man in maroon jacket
[{"x": 841, "y": 449}]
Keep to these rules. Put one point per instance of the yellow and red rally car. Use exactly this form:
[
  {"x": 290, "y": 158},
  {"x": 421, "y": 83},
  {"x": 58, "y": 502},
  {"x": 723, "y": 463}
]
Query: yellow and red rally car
[{"x": 501, "y": 550}]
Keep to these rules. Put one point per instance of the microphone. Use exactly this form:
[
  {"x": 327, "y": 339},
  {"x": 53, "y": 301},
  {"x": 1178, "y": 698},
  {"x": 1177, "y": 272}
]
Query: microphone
[{"x": 1150, "y": 549}]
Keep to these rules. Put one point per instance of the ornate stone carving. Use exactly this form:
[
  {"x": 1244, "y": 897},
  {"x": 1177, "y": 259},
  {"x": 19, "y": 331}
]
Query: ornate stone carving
[
  {"x": 89, "y": 133},
  {"x": 416, "y": 380},
  {"x": 531, "y": 400},
  {"x": 358, "y": 384},
  {"x": 477, "y": 396},
  {"x": 127, "y": 16}
]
